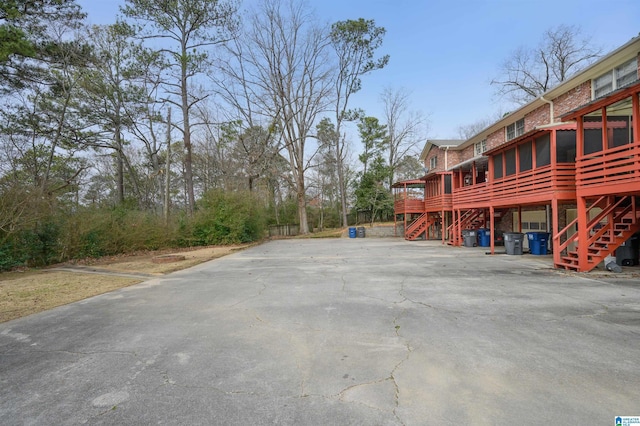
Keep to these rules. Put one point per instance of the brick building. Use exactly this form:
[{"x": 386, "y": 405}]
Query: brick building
[{"x": 548, "y": 166}]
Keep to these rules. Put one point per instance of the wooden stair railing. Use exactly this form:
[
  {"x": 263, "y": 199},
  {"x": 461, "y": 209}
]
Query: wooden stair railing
[
  {"x": 608, "y": 230},
  {"x": 419, "y": 226},
  {"x": 470, "y": 219}
]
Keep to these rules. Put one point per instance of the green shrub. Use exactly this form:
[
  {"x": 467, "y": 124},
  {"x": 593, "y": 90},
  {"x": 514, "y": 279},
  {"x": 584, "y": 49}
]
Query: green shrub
[{"x": 228, "y": 218}]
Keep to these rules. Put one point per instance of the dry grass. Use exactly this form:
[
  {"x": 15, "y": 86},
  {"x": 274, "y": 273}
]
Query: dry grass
[
  {"x": 27, "y": 293},
  {"x": 32, "y": 291}
]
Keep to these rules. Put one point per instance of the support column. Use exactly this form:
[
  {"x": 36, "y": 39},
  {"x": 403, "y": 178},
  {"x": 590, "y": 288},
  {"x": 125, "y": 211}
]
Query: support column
[
  {"x": 555, "y": 228},
  {"x": 492, "y": 231},
  {"x": 583, "y": 234}
]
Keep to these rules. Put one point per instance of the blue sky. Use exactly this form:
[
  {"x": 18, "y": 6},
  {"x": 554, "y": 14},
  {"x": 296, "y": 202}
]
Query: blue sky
[{"x": 445, "y": 53}]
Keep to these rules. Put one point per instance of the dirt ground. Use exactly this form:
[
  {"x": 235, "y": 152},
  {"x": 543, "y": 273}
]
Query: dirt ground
[{"x": 31, "y": 291}]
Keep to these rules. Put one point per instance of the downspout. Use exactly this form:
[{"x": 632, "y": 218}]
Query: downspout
[
  {"x": 446, "y": 157},
  {"x": 551, "y": 109}
]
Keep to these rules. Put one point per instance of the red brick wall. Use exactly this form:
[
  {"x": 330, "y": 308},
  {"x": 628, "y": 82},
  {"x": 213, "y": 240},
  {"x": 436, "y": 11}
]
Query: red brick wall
[
  {"x": 572, "y": 99},
  {"x": 434, "y": 152},
  {"x": 455, "y": 157},
  {"x": 537, "y": 117},
  {"x": 496, "y": 139}
]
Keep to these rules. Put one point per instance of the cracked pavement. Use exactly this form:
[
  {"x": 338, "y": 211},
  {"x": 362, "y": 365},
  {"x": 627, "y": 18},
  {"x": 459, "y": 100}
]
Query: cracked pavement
[{"x": 334, "y": 332}]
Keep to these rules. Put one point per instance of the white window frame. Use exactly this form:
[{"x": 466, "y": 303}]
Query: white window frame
[
  {"x": 480, "y": 147},
  {"x": 615, "y": 78},
  {"x": 433, "y": 163},
  {"x": 515, "y": 129}
]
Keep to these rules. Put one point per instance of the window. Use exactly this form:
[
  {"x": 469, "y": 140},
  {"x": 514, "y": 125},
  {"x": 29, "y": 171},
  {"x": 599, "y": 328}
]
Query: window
[
  {"x": 510, "y": 162},
  {"x": 447, "y": 184},
  {"x": 433, "y": 162},
  {"x": 480, "y": 147},
  {"x": 497, "y": 166},
  {"x": 592, "y": 133},
  {"x": 566, "y": 146},
  {"x": 543, "y": 150},
  {"x": 515, "y": 129},
  {"x": 626, "y": 73},
  {"x": 616, "y": 78},
  {"x": 526, "y": 156}
]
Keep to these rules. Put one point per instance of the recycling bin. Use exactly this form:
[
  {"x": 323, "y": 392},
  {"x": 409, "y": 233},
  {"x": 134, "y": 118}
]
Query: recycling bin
[
  {"x": 484, "y": 237},
  {"x": 627, "y": 253},
  {"x": 513, "y": 242},
  {"x": 352, "y": 232},
  {"x": 470, "y": 237},
  {"x": 538, "y": 242}
]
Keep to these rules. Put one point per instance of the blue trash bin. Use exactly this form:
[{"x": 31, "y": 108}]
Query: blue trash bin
[
  {"x": 484, "y": 237},
  {"x": 352, "y": 232},
  {"x": 538, "y": 242}
]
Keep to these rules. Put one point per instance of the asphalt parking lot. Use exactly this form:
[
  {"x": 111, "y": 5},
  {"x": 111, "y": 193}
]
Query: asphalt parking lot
[{"x": 335, "y": 332}]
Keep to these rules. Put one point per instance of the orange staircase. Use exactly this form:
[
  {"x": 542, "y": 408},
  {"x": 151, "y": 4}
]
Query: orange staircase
[
  {"x": 470, "y": 219},
  {"x": 615, "y": 224},
  {"x": 419, "y": 226}
]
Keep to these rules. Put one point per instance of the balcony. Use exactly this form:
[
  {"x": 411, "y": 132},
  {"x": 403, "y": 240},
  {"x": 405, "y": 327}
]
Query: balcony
[{"x": 612, "y": 171}]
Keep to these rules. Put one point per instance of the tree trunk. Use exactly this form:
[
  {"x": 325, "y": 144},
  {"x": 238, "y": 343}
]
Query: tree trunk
[{"x": 188, "y": 159}]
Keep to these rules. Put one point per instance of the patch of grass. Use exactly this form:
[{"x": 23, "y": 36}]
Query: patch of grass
[
  {"x": 27, "y": 293},
  {"x": 327, "y": 233}
]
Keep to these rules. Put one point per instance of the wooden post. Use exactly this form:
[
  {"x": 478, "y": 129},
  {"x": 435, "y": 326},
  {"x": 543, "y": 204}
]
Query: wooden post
[
  {"x": 582, "y": 234},
  {"x": 555, "y": 228},
  {"x": 492, "y": 228}
]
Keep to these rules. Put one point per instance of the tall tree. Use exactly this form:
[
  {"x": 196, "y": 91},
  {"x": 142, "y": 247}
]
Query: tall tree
[
  {"x": 27, "y": 46},
  {"x": 374, "y": 140},
  {"x": 188, "y": 29},
  {"x": 290, "y": 71},
  {"x": 113, "y": 96},
  {"x": 529, "y": 72},
  {"x": 355, "y": 43},
  {"x": 406, "y": 129}
]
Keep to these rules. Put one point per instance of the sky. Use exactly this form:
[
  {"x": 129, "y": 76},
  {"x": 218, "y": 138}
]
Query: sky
[{"x": 445, "y": 53}]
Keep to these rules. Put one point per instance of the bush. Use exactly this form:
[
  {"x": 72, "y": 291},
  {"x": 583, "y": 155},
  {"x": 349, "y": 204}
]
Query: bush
[{"x": 228, "y": 218}]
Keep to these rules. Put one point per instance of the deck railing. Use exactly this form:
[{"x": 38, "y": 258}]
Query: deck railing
[
  {"x": 614, "y": 166},
  {"x": 525, "y": 186},
  {"x": 408, "y": 205},
  {"x": 472, "y": 195}
]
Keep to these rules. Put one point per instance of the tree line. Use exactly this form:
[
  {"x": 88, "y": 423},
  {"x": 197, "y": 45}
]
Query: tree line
[{"x": 187, "y": 122}]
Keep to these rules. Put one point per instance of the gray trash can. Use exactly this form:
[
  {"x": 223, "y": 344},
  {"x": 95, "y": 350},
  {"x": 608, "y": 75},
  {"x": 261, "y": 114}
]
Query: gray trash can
[
  {"x": 361, "y": 232},
  {"x": 513, "y": 242},
  {"x": 470, "y": 237}
]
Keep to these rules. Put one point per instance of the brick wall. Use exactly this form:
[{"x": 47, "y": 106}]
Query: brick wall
[
  {"x": 434, "y": 152},
  {"x": 538, "y": 117},
  {"x": 496, "y": 139},
  {"x": 572, "y": 99}
]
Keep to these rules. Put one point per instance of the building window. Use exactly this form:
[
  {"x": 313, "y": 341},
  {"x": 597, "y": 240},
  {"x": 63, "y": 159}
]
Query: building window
[
  {"x": 616, "y": 78},
  {"x": 480, "y": 147},
  {"x": 433, "y": 162},
  {"x": 497, "y": 166},
  {"x": 515, "y": 129}
]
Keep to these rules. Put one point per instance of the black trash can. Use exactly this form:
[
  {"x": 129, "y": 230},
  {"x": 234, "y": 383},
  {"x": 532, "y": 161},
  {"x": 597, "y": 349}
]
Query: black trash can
[
  {"x": 470, "y": 237},
  {"x": 627, "y": 253},
  {"x": 361, "y": 232},
  {"x": 513, "y": 242}
]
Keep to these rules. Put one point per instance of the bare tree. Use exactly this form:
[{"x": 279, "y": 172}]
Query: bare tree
[
  {"x": 290, "y": 74},
  {"x": 406, "y": 129},
  {"x": 529, "y": 72}
]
